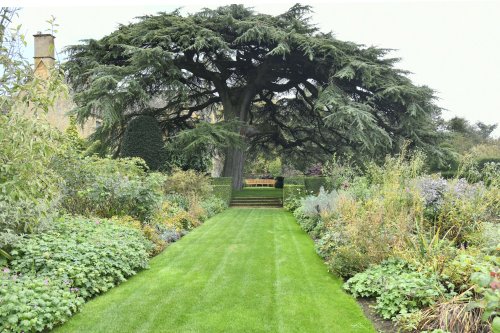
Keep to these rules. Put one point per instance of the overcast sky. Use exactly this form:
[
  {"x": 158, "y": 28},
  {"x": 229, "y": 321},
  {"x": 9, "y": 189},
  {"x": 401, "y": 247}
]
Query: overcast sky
[{"x": 453, "y": 47}]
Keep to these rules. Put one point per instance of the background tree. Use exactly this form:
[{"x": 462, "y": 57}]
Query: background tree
[
  {"x": 462, "y": 139},
  {"x": 143, "y": 139},
  {"x": 292, "y": 87}
]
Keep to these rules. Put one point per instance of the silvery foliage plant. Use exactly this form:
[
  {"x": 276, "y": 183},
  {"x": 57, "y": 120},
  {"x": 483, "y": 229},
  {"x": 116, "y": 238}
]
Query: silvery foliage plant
[{"x": 324, "y": 203}]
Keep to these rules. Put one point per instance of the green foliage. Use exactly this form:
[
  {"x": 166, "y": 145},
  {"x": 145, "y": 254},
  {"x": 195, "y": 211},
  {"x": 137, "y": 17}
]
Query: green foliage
[
  {"x": 143, "y": 138},
  {"x": 340, "y": 174},
  {"x": 34, "y": 304},
  {"x": 177, "y": 158},
  {"x": 20, "y": 88},
  {"x": 459, "y": 269},
  {"x": 73, "y": 136},
  {"x": 343, "y": 95},
  {"x": 194, "y": 148},
  {"x": 263, "y": 165},
  {"x": 292, "y": 195},
  {"x": 92, "y": 255},
  {"x": 188, "y": 183},
  {"x": 221, "y": 181},
  {"x": 313, "y": 184},
  {"x": 397, "y": 286},
  {"x": 107, "y": 187},
  {"x": 297, "y": 180},
  {"x": 28, "y": 188},
  {"x": 487, "y": 284},
  {"x": 213, "y": 206}
]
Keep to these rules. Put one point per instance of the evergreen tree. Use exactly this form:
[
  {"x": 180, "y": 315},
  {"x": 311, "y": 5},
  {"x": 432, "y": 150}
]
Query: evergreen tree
[
  {"x": 293, "y": 88},
  {"x": 143, "y": 139}
]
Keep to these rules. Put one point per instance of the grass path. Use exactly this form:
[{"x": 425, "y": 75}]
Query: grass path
[{"x": 245, "y": 270}]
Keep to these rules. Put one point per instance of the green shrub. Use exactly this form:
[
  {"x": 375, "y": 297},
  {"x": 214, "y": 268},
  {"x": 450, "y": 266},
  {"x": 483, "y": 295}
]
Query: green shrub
[
  {"x": 213, "y": 205},
  {"x": 34, "y": 304},
  {"x": 223, "y": 192},
  {"x": 459, "y": 270},
  {"x": 108, "y": 187},
  {"x": 92, "y": 255},
  {"x": 28, "y": 188},
  {"x": 143, "y": 138},
  {"x": 339, "y": 174},
  {"x": 348, "y": 260},
  {"x": 188, "y": 183},
  {"x": 397, "y": 286},
  {"x": 292, "y": 196}
]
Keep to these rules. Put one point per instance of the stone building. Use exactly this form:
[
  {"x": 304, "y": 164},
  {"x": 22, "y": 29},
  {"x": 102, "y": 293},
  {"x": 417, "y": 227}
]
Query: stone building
[{"x": 58, "y": 115}]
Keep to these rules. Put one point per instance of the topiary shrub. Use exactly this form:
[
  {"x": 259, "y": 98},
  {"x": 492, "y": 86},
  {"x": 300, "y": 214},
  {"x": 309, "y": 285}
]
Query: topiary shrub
[{"x": 143, "y": 138}]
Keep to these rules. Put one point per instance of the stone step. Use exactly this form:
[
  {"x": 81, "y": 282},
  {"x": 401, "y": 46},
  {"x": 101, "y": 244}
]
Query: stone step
[{"x": 255, "y": 200}]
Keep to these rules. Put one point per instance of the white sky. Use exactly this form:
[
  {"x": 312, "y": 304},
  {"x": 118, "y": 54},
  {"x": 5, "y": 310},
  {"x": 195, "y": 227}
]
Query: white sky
[{"x": 451, "y": 46}]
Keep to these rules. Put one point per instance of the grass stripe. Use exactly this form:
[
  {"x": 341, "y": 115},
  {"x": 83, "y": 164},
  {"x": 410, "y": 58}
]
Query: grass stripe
[{"x": 245, "y": 270}]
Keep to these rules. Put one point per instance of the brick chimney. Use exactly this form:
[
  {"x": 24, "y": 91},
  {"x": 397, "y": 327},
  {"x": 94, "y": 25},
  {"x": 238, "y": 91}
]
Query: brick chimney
[{"x": 44, "y": 54}]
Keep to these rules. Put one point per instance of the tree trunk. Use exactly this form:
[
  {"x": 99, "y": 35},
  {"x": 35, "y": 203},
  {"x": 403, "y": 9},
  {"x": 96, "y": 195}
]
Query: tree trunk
[
  {"x": 233, "y": 166},
  {"x": 236, "y": 106}
]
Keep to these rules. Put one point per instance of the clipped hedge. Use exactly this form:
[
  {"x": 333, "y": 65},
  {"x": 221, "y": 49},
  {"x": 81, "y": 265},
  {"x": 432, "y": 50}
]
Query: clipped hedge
[
  {"x": 223, "y": 192},
  {"x": 482, "y": 161},
  {"x": 221, "y": 181},
  {"x": 313, "y": 184},
  {"x": 297, "y": 180}
]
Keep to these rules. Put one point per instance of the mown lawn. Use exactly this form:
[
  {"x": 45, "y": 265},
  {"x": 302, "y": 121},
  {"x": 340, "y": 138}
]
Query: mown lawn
[{"x": 245, "y": 270}]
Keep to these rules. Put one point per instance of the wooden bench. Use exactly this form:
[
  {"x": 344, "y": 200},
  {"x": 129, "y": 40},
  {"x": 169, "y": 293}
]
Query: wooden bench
[{"x": 260, "y": 182}]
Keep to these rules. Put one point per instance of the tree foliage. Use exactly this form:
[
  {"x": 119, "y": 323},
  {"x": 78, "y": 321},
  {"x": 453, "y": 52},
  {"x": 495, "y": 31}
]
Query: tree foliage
[
  {"x": 294, "y": 88},
  {"x": 143, "y": 139}
]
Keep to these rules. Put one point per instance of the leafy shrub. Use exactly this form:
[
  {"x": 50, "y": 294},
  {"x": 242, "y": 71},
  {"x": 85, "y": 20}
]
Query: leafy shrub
[
  {"x": 151, "y": 232},
  {"x": 397, "y": 286},
  {"x": 292, "y": 196},
  {"x": 467, "y": 262},
  {"x": 33, "y": 304},
  {"x": 143, "y": 138},
  {"x": 188, "y": 183},
  {"x": 330, "y": 242},
  {"x": 488, "y": 286},
  {"x": 348, "y": 260},
  {"x": 339, "y": 174},
  {"x": 174, "y": 217},
  {"x": 108, "y": 187},
  {"x": 28, "y": 189},
  {"x": 92, "y": 255},
  {"x": 324, "y": 204},
  {"x": 307, "y": 222},
  {"x": 213, "y": 205}
]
